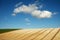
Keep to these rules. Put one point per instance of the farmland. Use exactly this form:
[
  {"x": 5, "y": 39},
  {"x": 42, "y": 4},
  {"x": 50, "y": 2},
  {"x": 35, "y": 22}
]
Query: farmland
[{"x": 32, "y": 34}]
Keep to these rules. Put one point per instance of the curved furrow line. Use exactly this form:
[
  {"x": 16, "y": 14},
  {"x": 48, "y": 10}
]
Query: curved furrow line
[
  {"x": 29, "y": 33},
  {"x": 55, "y": 34},
  {"x": 57, "y": 37},
  {"x": 51, "y": 34},
  {"x": 34, "y": 35},
  {"x": 43, "y": 34},
  {"x": 47, "y": 34},
  {"x": 11, "y": 35},
  {"x": 20, "y": 34}
]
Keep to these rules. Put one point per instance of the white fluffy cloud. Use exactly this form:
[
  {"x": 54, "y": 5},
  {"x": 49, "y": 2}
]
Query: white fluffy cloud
[
  {"x": 46, "y": 14},
  {"x": 25, "y": 8},
  {"x": 33, "y": 10},
  {"x": 42, "y": 14}
]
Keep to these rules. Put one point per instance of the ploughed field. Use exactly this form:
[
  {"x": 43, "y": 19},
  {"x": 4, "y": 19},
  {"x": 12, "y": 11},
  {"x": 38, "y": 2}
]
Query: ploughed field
[{"x": 32, "y": 34}]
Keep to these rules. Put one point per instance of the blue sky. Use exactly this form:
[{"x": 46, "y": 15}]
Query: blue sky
[{"x": 18, "y": 14}]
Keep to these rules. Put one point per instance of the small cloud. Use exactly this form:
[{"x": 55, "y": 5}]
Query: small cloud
[
  {"x": 55, "y": 13},
  {"x": 41, "y": 6},
  {"x": 27, "y": 19},
  {"x": 28, "y": 23},
  {"x": 13, "y": 14},
  {"x": 18, "y": 4}
]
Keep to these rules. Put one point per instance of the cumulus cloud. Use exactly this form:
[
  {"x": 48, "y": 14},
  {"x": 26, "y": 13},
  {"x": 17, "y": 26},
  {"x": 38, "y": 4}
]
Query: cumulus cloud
[
  {"x": 46, "y": 14},
  {"x": 36, "y": 13},
  {"x": 25, "y": 8},
  {"x": 27, "y": 19},
  {"x": 33, "y": 9},
  {"x": 42, "y": 14}
]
